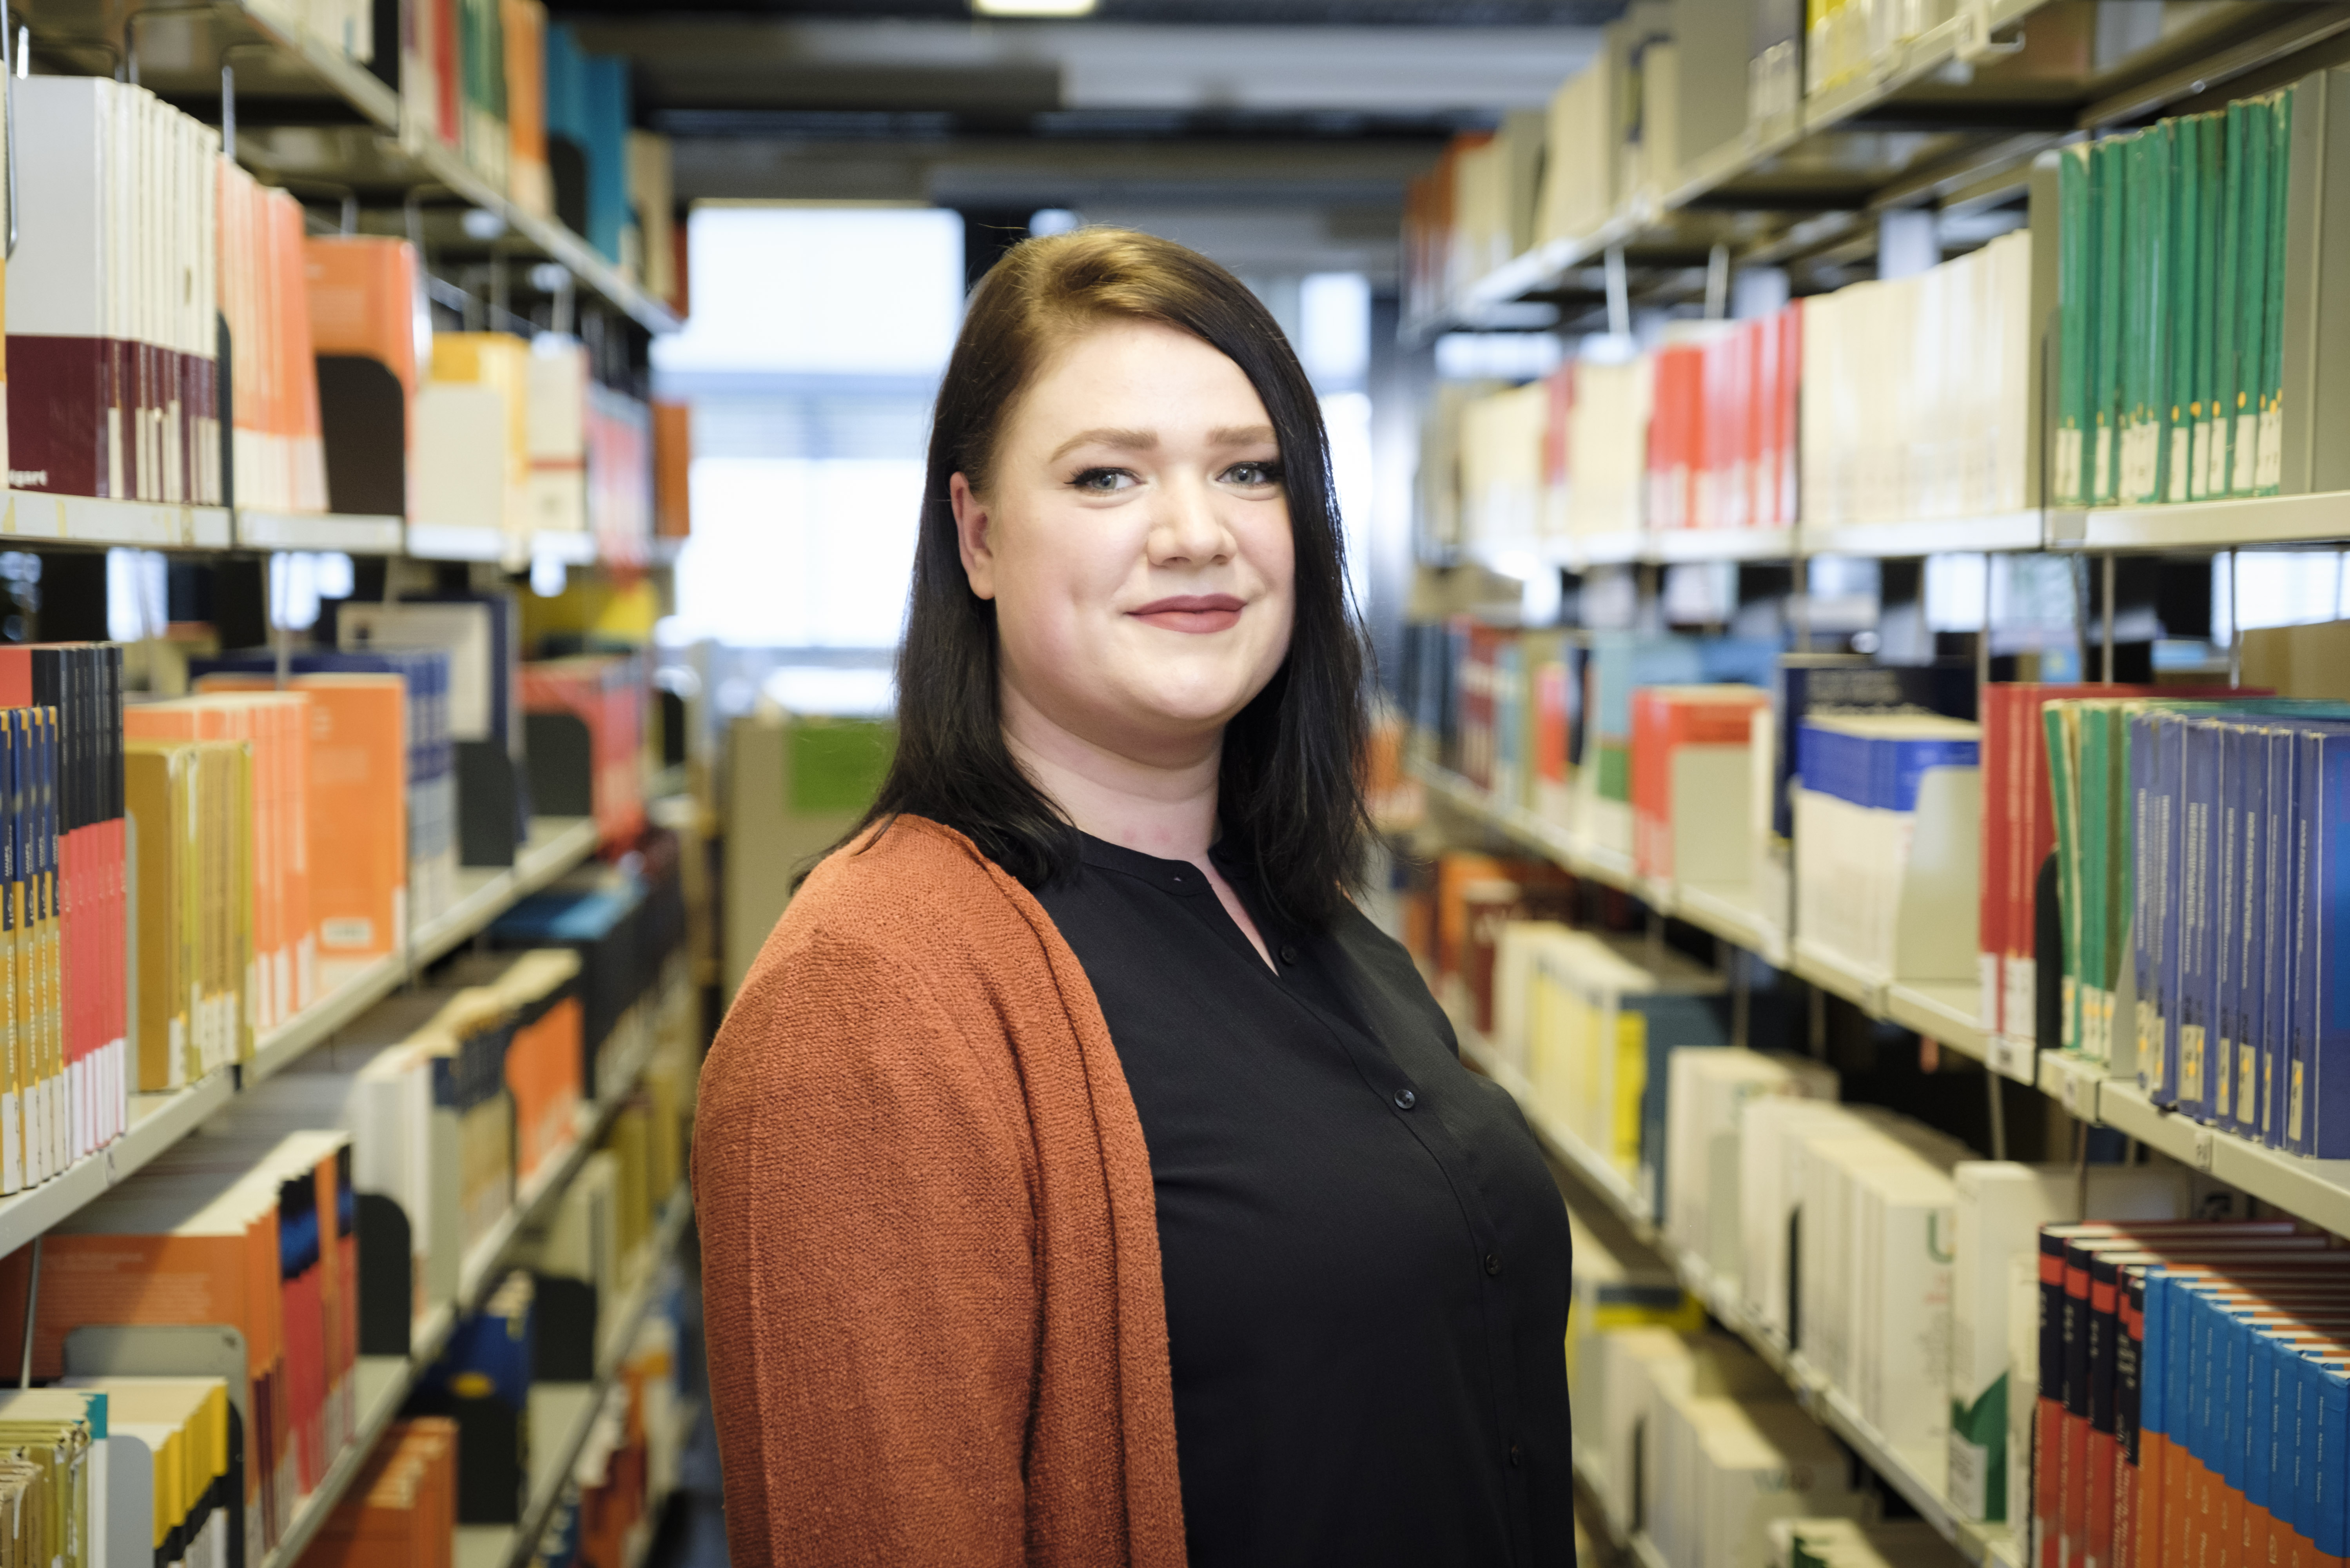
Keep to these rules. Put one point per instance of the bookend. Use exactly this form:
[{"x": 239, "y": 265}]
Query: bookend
[
  {"x": 562, "y": 763},
  {"x": 565, "y": 1316},
  {"x": 387, "y": 1276},
  {"x": 363, "y": 418},
  {"x": 182, "y": 1350},
  {"x": 489, "y": 804}
]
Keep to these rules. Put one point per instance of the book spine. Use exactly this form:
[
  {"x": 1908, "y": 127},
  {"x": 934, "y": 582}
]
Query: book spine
[
  {"x": 2221, "y": 934},
  {"x": 2199, "y": 802},
  {"x": 2146, "y": 902},
  {"x": 2326, "y": 896}
]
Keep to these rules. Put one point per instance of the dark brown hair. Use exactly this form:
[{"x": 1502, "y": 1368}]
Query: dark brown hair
[{"x": 1290, "y": 794}]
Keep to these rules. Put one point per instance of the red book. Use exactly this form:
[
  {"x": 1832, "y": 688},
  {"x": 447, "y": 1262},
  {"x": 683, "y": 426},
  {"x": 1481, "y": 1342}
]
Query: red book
[{"x": 1664, "y": 720}]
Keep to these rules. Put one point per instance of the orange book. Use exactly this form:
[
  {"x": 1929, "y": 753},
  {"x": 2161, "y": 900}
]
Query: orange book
[
  {"x": 185, "y": 1250},
  {"x": 402, "y": 1509},
  {"x": 284, "y": 972},
  {"x": 1664, "y": 720},
  {"x": 365, "y": 294},
  {"x": 528, "y": 178},
  {"x": 546, "y": 1055},
  {"x": 358, "y": 762},
  {"x": 672, "y": 470}
]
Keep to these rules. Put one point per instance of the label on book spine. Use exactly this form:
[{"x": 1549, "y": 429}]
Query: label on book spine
[
  {"x": 2179, "y": 457},
  {"x": 2190, "y": 1061},
  {"x": 2149, "y": 1046}
]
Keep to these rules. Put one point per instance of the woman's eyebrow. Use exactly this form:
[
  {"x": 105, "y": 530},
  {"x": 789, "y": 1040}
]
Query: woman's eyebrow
[
  {"x": 1125, "y": 440},
  {"x": 1240, "y": 435}
]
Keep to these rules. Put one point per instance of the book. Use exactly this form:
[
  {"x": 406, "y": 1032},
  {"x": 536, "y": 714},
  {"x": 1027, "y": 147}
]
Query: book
[
  {"x": 367, "y": 322},
  {"x": 113, "y": 285},
  {"x": 277, "y": 451}
]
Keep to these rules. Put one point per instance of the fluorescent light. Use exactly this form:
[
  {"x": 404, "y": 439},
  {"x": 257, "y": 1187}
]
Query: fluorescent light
[{"x": 1033, "y": 7}]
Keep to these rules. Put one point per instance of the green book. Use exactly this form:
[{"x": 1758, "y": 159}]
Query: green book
[
  {"x": 2129, "y": 274},
  {"x": 2211, "y": 163},
  {"x": 2063, "y": 789},
  {"x": 2268, "y": 472},
  {"x": 2105, "y": 212},
  {"x": 2186, "y": 224},
  {"x": 2074, "y": 310},
  {"x": 2228, "y": 317},
  {"x": 2251, "y": 297},
  {"x": 2090, "y": 771},
  {"x": 2161, "y": 186}
]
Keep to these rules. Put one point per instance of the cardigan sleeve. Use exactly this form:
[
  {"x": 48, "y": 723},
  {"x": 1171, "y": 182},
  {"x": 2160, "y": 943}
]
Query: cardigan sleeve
[{"x": 862, "y": 1181}]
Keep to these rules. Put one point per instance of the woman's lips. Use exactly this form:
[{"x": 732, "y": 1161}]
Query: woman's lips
[{"x": 1192, "y": 612}]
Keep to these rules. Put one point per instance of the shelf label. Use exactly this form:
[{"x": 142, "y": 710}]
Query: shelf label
[{"x": 2204, "y": 1141}]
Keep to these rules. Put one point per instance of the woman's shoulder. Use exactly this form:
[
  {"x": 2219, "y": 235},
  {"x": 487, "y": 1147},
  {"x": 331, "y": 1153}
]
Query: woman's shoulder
[{"x": 908, "y": 896}]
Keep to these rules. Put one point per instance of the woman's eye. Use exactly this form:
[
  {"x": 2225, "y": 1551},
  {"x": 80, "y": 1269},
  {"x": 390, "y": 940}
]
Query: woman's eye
[
  {"x": 1103, "y": 480},
  {"x": 1253, "y": 475}
]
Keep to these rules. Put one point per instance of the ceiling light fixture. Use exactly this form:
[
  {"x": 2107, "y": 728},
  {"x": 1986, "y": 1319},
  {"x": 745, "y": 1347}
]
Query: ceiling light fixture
[{"x": 1033, "y": 7}]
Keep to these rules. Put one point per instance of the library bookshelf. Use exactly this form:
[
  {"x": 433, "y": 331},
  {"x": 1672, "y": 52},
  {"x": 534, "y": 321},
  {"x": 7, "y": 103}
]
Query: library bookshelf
[
  {"x": 2315, "y": 1190},
  {"x": 1992, "y": 1547}
]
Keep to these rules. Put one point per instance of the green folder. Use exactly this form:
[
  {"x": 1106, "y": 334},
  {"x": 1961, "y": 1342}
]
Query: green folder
[
  {"x": 2229, "y": 324},
  {"x": 2105, "y": 212},
  {"x": 2063, "y": 789},
  {"x": 2186, "y": 225},
  {"x": 2268, "y": 473},
  {"x": 2211, "y": 150},
  {"x": 2251, "y": 296},
  {"x": 2076, "y": 309}
]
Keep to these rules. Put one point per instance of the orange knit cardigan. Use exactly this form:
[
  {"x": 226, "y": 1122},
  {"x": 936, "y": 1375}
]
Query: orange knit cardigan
[{"x": 930, "y": 1250}]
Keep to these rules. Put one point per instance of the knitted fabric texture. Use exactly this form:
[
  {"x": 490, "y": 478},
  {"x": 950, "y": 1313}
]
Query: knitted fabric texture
[{"x": 929, "y": 1251}]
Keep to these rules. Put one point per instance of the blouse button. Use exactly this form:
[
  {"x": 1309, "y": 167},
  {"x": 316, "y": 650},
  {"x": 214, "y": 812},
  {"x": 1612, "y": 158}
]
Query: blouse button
[
  {"x": 1289, "y": 954},
  {"x": 1405, "y": 1099},
  {"x": 1492, "y": 1263},
  {"x": 1517, "y": 1457}
]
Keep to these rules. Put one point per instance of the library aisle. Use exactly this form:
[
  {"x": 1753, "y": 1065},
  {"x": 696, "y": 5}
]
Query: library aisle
[{"x": 1847, "y": 502}]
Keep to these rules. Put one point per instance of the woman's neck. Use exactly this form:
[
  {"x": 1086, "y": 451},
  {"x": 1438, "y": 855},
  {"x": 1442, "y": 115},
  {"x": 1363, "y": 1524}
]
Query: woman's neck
[{"x": 1163, "y": 805}]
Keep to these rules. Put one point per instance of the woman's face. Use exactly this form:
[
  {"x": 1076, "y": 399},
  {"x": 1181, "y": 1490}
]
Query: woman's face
[{"x": 1134, "y": 539}]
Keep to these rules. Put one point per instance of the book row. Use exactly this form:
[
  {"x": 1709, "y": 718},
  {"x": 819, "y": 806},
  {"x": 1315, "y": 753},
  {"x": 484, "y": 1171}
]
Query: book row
[
  {"x": 176, "y": 337},
  {"x": 1674, "y": 86},
  {"x": 2195, "y": 875},
  {"x": 546, "y": 123},
  {"x": 1895, "y": 1267},
  {"x": 330, "y": 1210},
  {"x": 1713, "y": 427},
  {"x": 2171, "y": 308},
  {"x": 223, "y": 819},
  {"x": 1689, "y": 1441}
]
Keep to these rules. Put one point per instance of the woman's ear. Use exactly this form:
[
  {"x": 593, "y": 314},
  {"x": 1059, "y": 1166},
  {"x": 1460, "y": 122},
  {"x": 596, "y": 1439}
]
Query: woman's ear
[{"x": 970, "y": 537}]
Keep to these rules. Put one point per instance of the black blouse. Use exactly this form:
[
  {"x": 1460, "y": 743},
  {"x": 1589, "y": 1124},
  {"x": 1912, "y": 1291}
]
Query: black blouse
[{"x": 1365, "y": 1256}]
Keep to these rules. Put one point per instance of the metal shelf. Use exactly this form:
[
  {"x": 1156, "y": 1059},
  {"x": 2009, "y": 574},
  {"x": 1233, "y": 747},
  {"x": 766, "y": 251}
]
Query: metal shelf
[
  {"x": 1997, "y": 531},
  {"x": 157, "y": 1122},
  {"x": 376, "y": 102},
  {"x": 349, "y": 532},
  {"x": 1990, "y": 1546},
  {"x": 569, "y": 1409},
  {"x": 2206, "y": 525},
  {"x": 38, "y": 515},
  {"x": 555, "y": 844}
]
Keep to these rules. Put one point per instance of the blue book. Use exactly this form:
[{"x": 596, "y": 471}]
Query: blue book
[
  {"x": 2323, "y": 953},
  {"x": 1817, "y": 684},
  {"x": 1900, "y": 764},
  {"x": 2200, "y": 841},
  {"x": 2148, "y": 869},
  {"x": 2327, "y": 1440},
  {"x": 2273, "y": 981},
  {"x": 2233, "y": 1087}
]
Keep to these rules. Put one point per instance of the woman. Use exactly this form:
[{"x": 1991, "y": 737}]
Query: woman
[{"x": 1082, "y": 1178}]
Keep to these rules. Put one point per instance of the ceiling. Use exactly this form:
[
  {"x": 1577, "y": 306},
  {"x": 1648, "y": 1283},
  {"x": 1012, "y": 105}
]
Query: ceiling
[{"x": 1287, "y": 127}]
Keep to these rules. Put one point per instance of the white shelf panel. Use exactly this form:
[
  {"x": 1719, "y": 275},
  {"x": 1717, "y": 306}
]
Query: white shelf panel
[
  {"x": 561, "y": 1415},
  {"x": 376, "y": 102},
  {"x": 2207, "y": 525},
  {"x": 573, "y": 547},
  {"x": 352, "y": 533},
  {"x": 1991, "y": 1545},
  {"x": 1676, "y": 544},
  {"x": 2317, "y": 1190},
  {"x": 555, "y": 844},
  {"x": 1942, "y": 1009},
  {"x": 1997, "y": 531},
  {"x": 157, "y": 1122},
  {"x": 456, "y": 541},
  {"x": 1732, "y": 913},
  {"x": 91, "y": 520}
]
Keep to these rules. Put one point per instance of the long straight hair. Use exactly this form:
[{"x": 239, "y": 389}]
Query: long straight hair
[{"x": 1289, "y": 794}]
